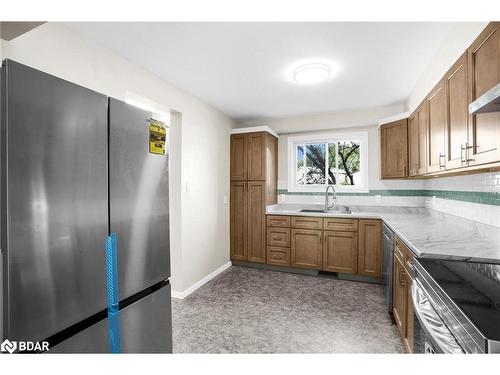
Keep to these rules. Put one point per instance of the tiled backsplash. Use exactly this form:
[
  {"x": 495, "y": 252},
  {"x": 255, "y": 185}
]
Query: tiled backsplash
[{"x": 476, "y": 197}]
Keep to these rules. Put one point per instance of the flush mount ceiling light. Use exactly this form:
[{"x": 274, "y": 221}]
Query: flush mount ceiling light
[{"x": 312, "y": 73}]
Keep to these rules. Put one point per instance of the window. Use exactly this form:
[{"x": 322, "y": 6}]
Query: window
[{"x": 328, "y": 159}]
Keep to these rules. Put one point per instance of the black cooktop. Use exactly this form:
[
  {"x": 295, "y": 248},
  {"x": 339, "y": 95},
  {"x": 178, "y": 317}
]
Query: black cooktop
[{"x": 475, "y": 289}]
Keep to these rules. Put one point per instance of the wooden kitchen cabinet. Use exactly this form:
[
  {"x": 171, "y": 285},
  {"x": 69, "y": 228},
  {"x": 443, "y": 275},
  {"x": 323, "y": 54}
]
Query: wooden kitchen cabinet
[
  {"x": 256, "y": 155},
  {"x": 370, "y": 239},
  {"x": 278, "y": 256},
  {"x": 249, "y": 156},
  {"x": 436, "y": 123},
  {"x": 394, "y": 149},
  {"x": 340, "y": 252},
  {"x": 410, "y": 317},
  {"x": 423, "y": 122},
  {"x": 307, "y": 222},
  {"x": 238, "y": 221},
  {"x": 399, "y": 296},
  {"x": 306, "y": 248},
  {"x": 247, "y": 224},
  {"x": 483, "y": 74},
  {"x": 256, "y": 224},
  {"x": 402, "y": 300},
  {"x": 238, "y": 162},
  {"x": 457, "y": 106},
  {"x": 278, "y": 237},
  {"x": 413, "y": 146},
  {"x": 337, "y": 224},
  {"x": 278, "y": 221},
  {"x": 443, "y": 139},
  {"x": 253, "y": 187}
]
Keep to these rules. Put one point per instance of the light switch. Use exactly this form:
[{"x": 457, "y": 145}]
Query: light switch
[{"x": 225, "y": 200}]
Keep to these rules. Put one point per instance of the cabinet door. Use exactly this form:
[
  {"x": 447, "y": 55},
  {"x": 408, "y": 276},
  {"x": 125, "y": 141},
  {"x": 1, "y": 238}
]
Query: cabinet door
[
  {"x": 370, "y": 237},
  {"x": 340, "y": 252},
  {"x": 307, "y": 248},
  {"x": 238, "y": 157},
  {"x": 413, "y": 145},
  {"x": 484, "y": 73},
  {"x": 399, "y": 297},
  {"x": 458, "y": 113},
  {"x": 437, "y": 117},
  {"x": 256, "y": 156},
  {"x": 408, "y": 339},
  {"x": 422, "y": 120},
  {"x": 256, "y": 226},
  {"x": 238, "y": 221},
  {"x": 394, "y": 149}
]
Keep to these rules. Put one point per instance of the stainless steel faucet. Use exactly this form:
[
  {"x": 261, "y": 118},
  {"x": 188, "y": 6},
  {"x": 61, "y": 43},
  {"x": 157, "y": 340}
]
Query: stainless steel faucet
[{"x": 334, "y": 195}]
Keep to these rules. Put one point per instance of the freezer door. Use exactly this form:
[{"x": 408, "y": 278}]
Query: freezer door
[
  {"x": 54, "y": 202},
  {"x": 145, "y": 327},
  {"x": 139, "y": 211}
]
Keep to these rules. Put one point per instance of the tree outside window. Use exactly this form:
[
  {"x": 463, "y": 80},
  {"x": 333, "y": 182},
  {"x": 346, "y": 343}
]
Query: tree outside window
[{"x": 335, "y": 162}]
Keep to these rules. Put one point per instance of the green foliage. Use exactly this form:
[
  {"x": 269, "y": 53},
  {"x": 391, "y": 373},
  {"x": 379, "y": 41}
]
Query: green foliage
[{"x": 347, "y": 153}]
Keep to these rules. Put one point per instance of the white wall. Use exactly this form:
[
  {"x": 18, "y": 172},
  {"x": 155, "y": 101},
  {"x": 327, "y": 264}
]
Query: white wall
[
  {"x": 199, "y": 138},
  {"x": 458, "y": 40}
]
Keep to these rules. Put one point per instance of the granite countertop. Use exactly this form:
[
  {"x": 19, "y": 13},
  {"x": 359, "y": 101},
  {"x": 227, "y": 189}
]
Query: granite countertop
[{"x": 428, "y": 233}]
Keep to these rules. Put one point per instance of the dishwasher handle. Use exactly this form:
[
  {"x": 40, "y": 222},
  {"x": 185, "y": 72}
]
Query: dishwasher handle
[{"x": 431, "y": 322}]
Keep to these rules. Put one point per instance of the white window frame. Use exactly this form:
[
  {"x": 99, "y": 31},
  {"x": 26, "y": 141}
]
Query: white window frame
[{"x": 294, "y": 141}]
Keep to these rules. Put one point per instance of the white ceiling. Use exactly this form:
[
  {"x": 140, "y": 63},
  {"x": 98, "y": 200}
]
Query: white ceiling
[{"x": 239, "y": 68}]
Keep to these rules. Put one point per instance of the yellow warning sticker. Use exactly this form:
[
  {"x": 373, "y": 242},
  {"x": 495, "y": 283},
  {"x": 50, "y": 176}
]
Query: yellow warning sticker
[{"x": 157, "y": 139}]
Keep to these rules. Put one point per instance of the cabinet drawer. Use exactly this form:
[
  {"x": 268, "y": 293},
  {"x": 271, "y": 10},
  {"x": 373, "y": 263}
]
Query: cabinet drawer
[
  {"x": 349, "y": 225},
  {"x": 278, "y": 237},
  {"x": 304, "y": 222},
  {"x": 278, "y": 221},
  {"x": 278, "y": 256}
]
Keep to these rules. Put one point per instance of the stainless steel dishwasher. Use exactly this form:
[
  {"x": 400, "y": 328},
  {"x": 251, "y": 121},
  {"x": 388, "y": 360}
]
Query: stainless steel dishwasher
[{"x": 387, "y": 262}]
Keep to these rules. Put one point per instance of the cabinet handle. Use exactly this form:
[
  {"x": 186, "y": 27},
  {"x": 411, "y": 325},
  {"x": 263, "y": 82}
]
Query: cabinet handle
[
  {"x": 402, "y": 281},
  {"x": 468, "y": 148},
  {"x": 462, "y": 157},
  {"x": 404, "y": 171},
  {"x": 276, "y": 238},
  {"x": 442, "y": 156}
]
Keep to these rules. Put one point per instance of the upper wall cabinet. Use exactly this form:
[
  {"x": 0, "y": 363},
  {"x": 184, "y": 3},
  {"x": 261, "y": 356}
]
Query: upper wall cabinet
[
  {"x": 437, "y": 117},
  {"x": 394, "y": 149},
  {"x": 422, "y": 115},
  {"x": 484, "y": 73},
  {"x": 413, "y": 145},
  {"x": 442, "y": 137},
  {"x": 457, "y": 105}
]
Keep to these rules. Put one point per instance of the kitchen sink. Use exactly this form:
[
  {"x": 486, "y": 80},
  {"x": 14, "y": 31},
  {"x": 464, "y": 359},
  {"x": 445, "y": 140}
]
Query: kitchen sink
[{"x": 338, "y": 210}]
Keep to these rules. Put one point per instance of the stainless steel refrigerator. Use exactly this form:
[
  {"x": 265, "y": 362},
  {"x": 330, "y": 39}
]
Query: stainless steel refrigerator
[{"x": 76, "y": 166}]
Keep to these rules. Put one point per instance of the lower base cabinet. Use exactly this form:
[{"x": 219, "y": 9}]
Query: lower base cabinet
[
  {"x": 370, "y": 241},
  {"x": 399, "y": 296},
  {"x": 340, "y": 252},
  {"x": 307, "y": 248},
  {"x": 278, "y": 256}
]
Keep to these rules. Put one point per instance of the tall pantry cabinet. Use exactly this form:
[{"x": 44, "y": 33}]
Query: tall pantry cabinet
[{"x": 254, "y": 174}]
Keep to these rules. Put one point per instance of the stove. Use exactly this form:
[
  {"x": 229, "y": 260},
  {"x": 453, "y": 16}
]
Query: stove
[{"x": 466, "y": 296}]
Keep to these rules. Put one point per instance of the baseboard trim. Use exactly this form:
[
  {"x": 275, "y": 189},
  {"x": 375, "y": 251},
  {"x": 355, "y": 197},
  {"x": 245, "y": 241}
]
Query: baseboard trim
[{"x": 206, "y": 279}]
